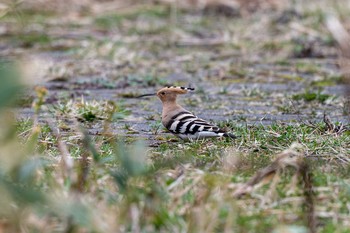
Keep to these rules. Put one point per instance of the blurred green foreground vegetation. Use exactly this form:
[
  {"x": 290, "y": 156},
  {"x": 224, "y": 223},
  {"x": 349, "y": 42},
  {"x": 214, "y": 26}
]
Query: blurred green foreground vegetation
[
  {"x": 52, "y": 182},
  {"x": 57, "y": 177}
]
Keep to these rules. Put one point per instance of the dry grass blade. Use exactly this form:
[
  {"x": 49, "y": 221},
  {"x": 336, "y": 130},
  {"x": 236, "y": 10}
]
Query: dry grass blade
[
  {"x": 288, "y": 158},
  {"x": 332, "y": 128},
  {"x": 217, "y": 41},
  {"x": 342, "y": 36},
  {"x": 67, "y": 162},
  {"x": 135, "y": 218},
  {"x": 85, "y": 161},
  {"x": 309, "y": 196},
  {"x": 228, "y": 7}
]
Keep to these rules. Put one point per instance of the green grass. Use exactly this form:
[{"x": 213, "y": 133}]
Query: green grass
[
  {"x": 328, "y": 81},
  {"x": 172, "y": 186},
  {"x": 115, "y": 21},
  {"x": 56, "y": 177},
  {"x": 29, "y": 40},
  {"x": 309, "y": 96}
]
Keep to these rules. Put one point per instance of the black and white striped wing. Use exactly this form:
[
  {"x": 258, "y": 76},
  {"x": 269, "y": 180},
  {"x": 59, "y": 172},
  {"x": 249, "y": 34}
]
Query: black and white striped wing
[{"x": 186, "y": 125}]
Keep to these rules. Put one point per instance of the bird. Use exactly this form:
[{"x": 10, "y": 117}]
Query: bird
[{"x": 181, "y": 122}]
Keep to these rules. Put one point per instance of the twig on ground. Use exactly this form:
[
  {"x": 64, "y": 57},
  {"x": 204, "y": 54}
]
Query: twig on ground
[
  {"x": 306, "y": 174},
  {"x": 288, "y": 158},
  {"x": 283, "y": 160},
  {"x": 330, "y": 127}
]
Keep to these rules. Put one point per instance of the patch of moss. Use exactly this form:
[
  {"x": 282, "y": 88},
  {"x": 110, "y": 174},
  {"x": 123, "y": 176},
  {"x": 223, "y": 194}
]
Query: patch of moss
[
  {"x": 310, "y": 68},
  {"x": 328, "y": 81},
  {"x": 311, "y": 96},
  {"x": 32, "y": 39},
  {"x": 115, "y": 20},
  {"x": 24, "y": 102},
  {"x": 292, "y": 77}
]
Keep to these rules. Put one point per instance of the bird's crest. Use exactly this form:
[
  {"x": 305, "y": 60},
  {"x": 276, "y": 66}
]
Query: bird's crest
[
  {"x": 174, "y": 89},
  {"x": 177, "y": 90}
]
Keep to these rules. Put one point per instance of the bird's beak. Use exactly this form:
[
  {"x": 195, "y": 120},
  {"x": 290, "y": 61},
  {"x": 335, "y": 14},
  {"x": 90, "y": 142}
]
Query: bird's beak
[{"x": 140, "y": 96}]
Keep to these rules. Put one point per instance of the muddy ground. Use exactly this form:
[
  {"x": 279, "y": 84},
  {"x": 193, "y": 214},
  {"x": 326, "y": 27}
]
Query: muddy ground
[
  {"x": 268, "y": 72},
  {"x": 270, "y": 66}
]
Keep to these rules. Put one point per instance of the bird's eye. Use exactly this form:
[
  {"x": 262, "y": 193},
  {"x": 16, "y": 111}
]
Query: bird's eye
[{"x": 162, "y": 93}]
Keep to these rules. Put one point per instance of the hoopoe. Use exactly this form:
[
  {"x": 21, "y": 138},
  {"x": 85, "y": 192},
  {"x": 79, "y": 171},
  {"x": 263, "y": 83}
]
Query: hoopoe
[{"x": 181, "y": 122}]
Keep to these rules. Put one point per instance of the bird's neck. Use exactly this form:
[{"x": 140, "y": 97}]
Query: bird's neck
[{"x": 168, "y": 107}]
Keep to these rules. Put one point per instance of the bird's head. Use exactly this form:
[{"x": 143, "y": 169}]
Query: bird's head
[{"x": 169, "y": 94}]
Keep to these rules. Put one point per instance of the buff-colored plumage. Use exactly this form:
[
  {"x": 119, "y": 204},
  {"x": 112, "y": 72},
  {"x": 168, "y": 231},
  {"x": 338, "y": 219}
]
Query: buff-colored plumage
[{"x": 168, "y": 98}]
